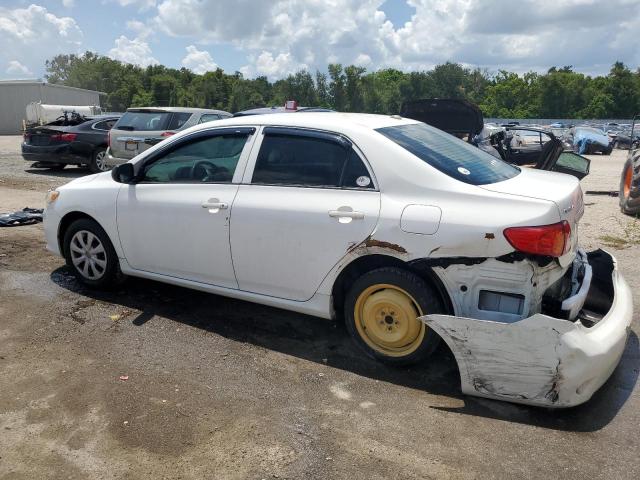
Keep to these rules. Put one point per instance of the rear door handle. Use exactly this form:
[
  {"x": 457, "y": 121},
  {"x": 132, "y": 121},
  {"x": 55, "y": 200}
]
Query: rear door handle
[
  {"x": 346, "y": 214},
  {"x": 342, "y": 213}
]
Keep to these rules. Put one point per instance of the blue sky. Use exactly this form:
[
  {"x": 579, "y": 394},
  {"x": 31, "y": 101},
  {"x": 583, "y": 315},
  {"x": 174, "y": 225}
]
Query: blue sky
[{"x": 278, "y": 37}]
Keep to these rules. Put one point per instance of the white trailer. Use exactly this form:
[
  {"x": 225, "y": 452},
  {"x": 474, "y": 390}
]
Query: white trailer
[{"x": 40, "y": 113}]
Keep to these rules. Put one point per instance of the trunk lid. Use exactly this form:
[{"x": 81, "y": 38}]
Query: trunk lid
[
  {"x": 43, "y": 136},
  {"x": 563, "y": 190}
]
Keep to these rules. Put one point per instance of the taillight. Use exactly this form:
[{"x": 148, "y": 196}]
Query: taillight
[
  {"x": 64, "y": 137},
  {"x": 548, "y": 240},
  {"x": 167, "y": 134}
]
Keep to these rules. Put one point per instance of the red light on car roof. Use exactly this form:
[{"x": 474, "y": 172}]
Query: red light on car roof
[{"x": 290, "y": 105}]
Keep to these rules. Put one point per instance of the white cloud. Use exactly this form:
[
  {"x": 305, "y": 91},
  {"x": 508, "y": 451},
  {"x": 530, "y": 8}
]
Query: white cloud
[
  {"x": 272, "y": 67},
  {"x": 142, "y": 30},
  {"x": 16, "y": 68},
  {"x": 135, "y": 51},
  {"x": 68, "y": 3},
  {"x": 281, "y": 35},
  {"x": 198, "y": 61},
  {"x": 34, "y": 35},
  {"x": 140, "y": 4}
]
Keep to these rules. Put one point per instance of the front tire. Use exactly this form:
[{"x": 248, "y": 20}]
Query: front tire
[
  {"x": 90, "y": 254},
  {"x": 381, "y": 311}
]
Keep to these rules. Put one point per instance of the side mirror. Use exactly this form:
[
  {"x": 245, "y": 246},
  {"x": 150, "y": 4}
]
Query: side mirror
[{"x": 123, "y": 173}]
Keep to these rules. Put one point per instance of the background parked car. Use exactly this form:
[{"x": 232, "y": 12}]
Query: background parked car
[
  {"x": 623, "y": 141},
  {"x": 55, "y": 146},
  {"x": 141, "y": 128},
  {"x": 589, "y": 140}
]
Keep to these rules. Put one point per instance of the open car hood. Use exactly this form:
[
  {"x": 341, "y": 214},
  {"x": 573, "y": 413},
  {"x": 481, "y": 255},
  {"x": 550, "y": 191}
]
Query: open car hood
[{"x": 454, "y": 116}]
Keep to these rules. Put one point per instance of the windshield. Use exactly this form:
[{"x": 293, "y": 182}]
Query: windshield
[
  {"x": 144, "y": 121},
  {"x": 451, "y": 156}
]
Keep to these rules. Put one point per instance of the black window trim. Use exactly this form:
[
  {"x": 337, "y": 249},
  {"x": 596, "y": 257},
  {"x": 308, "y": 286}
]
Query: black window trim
[
  {"x": 326, "y": 135},
  {"x": 93, "y": 127},
  {"x": 202, "y": 134}
]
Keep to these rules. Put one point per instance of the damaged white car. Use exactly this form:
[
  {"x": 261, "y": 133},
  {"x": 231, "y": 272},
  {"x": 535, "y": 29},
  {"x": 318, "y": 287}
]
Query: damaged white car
[{"x": 406, "y": 232}]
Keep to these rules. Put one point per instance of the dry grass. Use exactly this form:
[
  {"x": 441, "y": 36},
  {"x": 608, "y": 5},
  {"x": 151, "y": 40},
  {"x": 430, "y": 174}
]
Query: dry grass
[{"x": 630, "y": 236}]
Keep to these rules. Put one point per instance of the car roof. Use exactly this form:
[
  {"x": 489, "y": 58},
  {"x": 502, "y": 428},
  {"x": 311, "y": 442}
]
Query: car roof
[
  {"x": 176, "y": 109},
  {"x": 102, "y": 117},
  {"x": 329, "y": 121},
  {"x": 271, "y": 110}
]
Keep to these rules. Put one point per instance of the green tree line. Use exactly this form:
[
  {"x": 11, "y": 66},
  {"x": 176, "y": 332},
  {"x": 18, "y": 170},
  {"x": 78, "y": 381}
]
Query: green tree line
[{"x": 559, "y": 93}]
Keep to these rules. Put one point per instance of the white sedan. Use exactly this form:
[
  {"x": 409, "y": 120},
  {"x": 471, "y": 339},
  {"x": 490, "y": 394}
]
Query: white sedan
[{"x": 410, "y": 235}]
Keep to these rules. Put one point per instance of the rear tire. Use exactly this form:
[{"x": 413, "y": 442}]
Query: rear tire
[
  {"x": 98, "y": 161},
  {"x": 90, "y": 254},
  {"x": 381, "y": 311}
]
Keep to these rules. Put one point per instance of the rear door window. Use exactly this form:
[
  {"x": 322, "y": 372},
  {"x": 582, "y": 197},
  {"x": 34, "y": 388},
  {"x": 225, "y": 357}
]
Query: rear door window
[
  {"x": 450, "y": 155},
  {"x": 306, "y": 161},
  {"x": 178, "y": 120},
  {"x": 209, "y": 117},
  {"x": 146, "y": 121},
  {"x": 105, "y": 124}
]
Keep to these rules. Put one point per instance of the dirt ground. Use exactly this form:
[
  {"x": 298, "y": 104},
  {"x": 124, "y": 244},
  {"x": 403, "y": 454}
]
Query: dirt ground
[{"x": 224, "y": 389}]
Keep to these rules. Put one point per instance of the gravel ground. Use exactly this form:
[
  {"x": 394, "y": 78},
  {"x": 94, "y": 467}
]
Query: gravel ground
[{"x": 219, "y": 388}]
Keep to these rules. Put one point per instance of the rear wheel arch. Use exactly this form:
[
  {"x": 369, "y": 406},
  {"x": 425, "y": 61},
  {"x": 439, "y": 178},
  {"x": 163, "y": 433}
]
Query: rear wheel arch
[{"x": 366, "y": 263}]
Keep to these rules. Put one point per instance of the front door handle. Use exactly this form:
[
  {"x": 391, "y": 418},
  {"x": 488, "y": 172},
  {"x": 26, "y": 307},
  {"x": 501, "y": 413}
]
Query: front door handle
[
  {"x": 214, "y": 205},
  {"x": 346, "y": 214}
]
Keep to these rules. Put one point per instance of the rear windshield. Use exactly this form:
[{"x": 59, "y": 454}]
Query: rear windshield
[
  {"x": 450, "y": 155},
  {"x": 143, "y": 121}
]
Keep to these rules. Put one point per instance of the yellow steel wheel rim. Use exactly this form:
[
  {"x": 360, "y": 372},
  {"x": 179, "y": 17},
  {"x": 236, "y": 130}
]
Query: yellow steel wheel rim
[{"x": 386, "y": 318}]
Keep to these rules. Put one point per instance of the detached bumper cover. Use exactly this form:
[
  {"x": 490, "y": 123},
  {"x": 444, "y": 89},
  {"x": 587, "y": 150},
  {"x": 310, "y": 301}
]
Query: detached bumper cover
[{"x": 542, "y": 360}]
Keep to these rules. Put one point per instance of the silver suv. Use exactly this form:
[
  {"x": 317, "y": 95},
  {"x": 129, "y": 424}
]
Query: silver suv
[{"x": 141, "y": 127}]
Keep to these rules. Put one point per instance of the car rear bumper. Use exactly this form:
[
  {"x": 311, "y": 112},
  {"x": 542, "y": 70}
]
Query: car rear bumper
[
  {"x": 542, "y": 360},
  {"x": 51, "y": 154},
  {"x": 112, "y": 161}
]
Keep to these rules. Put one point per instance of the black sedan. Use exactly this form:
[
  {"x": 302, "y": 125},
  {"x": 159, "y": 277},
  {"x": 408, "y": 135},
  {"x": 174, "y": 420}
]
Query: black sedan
[{"x": 54, "y": 146}]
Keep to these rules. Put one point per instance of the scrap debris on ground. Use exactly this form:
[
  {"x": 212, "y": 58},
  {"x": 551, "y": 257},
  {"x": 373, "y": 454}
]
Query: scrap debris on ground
[{"x": 26, "y": 216}]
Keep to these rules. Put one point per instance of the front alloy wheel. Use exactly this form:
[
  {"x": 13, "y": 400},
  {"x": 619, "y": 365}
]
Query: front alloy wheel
[{"x": 88, "y": 255}]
